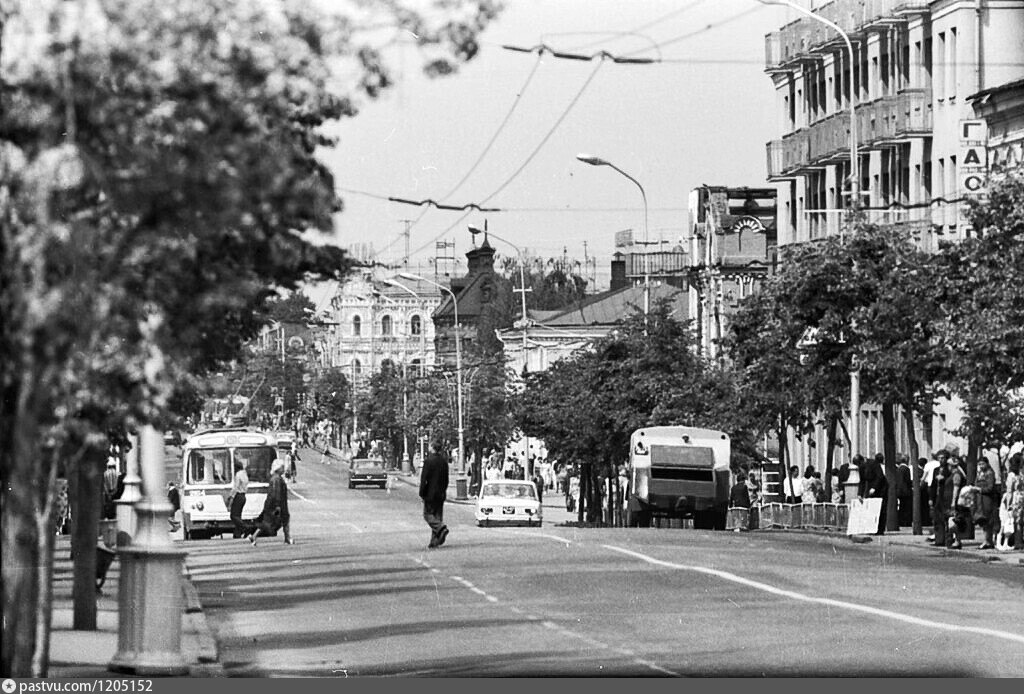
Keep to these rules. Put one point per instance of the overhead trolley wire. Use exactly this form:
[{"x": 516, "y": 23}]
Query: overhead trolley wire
[
  {"x": 479, "y": 159},
  {"x": 529, "y": 159}
]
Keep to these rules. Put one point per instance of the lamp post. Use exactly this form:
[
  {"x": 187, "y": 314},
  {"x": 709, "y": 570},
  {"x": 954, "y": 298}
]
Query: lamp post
[
  {"x": 522, "y": 293},
  {"x": 597, "y": 161},
  {"x": 854, "y": 205},
  {"x": 458, "y": 361}
]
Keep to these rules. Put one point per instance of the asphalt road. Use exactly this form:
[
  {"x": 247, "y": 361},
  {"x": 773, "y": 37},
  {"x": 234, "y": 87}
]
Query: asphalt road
[{"x": 359, "y": 594}]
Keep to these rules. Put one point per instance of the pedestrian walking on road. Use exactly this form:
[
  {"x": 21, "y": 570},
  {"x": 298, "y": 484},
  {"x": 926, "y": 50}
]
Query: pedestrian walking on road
[
  {"x": 538, "y": 482},
  {"x": 236, "y": 501},
  {"x": 275, "y": 508},
  {"x": 433, "y": 491}
]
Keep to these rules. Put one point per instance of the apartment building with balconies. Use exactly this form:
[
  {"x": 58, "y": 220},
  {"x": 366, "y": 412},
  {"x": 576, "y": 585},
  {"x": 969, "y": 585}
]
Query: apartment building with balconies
[{"x": 914, "y": 65}]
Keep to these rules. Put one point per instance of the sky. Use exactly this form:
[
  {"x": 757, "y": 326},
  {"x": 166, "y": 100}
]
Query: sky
[{"x": 514, "y": 125}]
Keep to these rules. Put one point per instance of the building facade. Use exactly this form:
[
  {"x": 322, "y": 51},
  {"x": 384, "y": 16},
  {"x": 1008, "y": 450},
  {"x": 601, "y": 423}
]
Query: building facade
[
  {"x": 1002, "y": 109},
  {"x": 372, "y": 320},
  {"x": 485, "y": 305},
  {"x": 733, "y": 244},
  {"x": 549, "y": 336},
  {"x": 914, "y": 66},
  {"x": 922, "y": 75}
]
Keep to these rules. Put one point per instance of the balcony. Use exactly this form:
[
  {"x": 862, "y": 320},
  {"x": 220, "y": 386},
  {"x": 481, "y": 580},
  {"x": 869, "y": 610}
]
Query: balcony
[
  {"x": 803, "y": 37},
  {"x": 881, "y": 122},
  {"x": 894, "y": 118}
]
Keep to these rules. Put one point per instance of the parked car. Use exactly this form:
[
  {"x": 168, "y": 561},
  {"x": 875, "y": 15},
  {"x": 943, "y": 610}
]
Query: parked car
[
  {"x": 172, "y": 437},
  {"x": 367, "y": 471},
  {"x": 508, "y": 502}
]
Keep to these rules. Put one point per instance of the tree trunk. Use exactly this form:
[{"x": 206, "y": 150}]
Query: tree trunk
[
  {"x": 26, "y": 529},
  {"x": 971, "y": 464},
  {"x": 915, "y": 470},
  {"x": 782, "y": 459},
  {"x": 583, "y": 493},
  {"x": 830, "y": 454},
  {"x": 46, "y": 533},
  {"x": 892, "y": 521},
  {"x": 84, "y": 488}
]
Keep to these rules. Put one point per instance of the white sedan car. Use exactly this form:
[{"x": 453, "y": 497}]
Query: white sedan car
[{"x": 508, "y": 502}]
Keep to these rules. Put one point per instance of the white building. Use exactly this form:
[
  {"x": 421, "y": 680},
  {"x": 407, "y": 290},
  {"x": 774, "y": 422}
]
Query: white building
[
  {"x": 915, "y": 65},
  {"x": 371, "y": 320},
  {"x": 920, "y": 70}
]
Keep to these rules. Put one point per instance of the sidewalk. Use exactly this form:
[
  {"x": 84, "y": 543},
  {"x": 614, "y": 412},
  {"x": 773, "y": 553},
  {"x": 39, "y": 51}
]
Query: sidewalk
[
  {"x": 87, "y": 653},
  {"x": 906, "y": 538}
]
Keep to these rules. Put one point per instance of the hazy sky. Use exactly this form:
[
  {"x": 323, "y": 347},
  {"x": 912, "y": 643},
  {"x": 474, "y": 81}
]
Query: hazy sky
[{"x": 701, "y": 116}]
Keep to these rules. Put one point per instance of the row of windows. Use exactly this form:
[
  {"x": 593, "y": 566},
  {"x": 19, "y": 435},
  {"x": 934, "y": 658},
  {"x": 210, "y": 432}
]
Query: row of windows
[{"x": 387, "y": 326}]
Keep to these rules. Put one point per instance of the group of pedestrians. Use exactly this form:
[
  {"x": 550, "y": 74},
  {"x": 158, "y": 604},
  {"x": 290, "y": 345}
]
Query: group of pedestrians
[{"x": 274, "y": 515}]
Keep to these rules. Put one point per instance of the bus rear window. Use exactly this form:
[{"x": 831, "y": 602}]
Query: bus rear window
[
  {"x": 684, "y": 456},
  {"x": 209, "y": 466},
  {"x": 257, "y": 462}
]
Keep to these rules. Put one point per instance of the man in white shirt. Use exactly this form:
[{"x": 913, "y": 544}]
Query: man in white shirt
[{"x": 794, "y": 486}]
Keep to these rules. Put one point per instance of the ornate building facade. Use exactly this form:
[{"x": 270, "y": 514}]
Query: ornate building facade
[{"x": 371, "y": 320}]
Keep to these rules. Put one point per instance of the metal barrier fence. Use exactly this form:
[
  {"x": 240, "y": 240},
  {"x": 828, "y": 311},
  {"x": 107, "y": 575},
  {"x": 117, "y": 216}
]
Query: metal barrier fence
[{"x": 823, "y": 516}]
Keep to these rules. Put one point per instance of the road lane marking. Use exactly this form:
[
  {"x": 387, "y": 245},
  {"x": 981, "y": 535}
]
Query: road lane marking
[
  {"x": 829, "y": 602},
  {"x": 529, "y": 534},
  {"x": 553, "y": 626},
  {"x": 308, "y": 501}
]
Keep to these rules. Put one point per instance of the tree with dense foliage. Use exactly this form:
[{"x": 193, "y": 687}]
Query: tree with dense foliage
[
  {"x": 980, "y": 288},
  {"x": 645, "y": 373},
  {"x": 382, "y": 411},
  {"x": 552, "y": 284},
  {"x": 158, "y": 180}
]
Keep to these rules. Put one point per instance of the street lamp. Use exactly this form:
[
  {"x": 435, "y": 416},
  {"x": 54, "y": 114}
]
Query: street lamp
[
  {"x": 458, "y": 361},
  {"x": 597, "y": 161},
  {"x": 522, "y": 293},
  {"x": 854, "y": 200}
]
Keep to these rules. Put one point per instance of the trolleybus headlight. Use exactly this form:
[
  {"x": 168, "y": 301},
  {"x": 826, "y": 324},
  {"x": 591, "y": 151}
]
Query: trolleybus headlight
[{"x": 198, "y": 506}]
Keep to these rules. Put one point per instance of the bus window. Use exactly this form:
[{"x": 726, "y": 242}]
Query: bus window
[
  {"x": 257, "y": 462},
  {"x": 209, "y": 466}
]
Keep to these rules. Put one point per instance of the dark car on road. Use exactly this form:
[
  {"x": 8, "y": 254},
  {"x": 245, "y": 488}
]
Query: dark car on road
[{"x": 368, "y": 471}]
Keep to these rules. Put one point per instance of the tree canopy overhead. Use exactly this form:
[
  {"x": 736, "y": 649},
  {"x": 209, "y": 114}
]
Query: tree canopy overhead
[{"x": 158, "y": 183}]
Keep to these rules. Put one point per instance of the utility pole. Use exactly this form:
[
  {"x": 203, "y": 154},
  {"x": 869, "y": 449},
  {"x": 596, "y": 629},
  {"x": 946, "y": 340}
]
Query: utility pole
[{"x": 408, "y": 226}]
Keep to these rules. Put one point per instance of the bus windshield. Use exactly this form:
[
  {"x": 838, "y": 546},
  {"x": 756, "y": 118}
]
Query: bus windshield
[
  {"x": 257, "y": 462},
  {"x": 209, "y": 466},
  {"x": 212, "y": 466}
]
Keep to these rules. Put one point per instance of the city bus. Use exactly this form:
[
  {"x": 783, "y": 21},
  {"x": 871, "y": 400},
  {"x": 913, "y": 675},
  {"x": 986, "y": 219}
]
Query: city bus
[
  {"x": 678, "y": 472},
  {"x": 207, "y": 469}
]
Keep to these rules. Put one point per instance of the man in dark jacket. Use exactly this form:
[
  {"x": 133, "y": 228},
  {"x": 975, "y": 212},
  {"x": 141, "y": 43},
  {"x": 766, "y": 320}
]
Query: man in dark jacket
[
  {"x": 874, "y": 485},
  {"x": 275, "y": 507},
  {"x": 433, "y": 491},
  {"x": 739, "y": 495}
]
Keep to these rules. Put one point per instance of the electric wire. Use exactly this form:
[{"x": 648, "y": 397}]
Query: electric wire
[
  {"x": 635, "y": 30},
  {"x": 480, "y": 158},
  {"x": 707, "y": 27},
  {"x": 532, "y": 155}
]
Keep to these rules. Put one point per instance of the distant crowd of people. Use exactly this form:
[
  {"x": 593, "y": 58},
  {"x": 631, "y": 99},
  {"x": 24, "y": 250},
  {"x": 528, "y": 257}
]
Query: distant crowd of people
[{"x": 949, "y": 503}]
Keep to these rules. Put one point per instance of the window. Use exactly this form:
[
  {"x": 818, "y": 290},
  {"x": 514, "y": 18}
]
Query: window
[
  {"x": 416, "y": 326},
  {"x": 357, "y": 325},
  {"x": 385, "y": 325},
  {"x": 951, "y": 75},
  {"x": 257, "y": 462},
  {"x": 357, "y": 367},
  {"x": 210, "y": 466}
]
